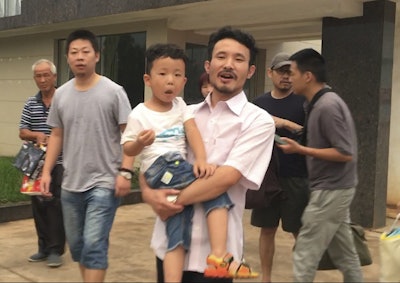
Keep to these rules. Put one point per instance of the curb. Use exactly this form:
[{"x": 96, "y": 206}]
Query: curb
[
  {"x": 23, "y": 210},
  {"x": 15, "y": 211}
]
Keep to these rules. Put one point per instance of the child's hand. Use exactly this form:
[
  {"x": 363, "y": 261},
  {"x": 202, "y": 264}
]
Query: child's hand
[
  {"x": 146, "y": 137},
  {"x": 203, "y": 169}
]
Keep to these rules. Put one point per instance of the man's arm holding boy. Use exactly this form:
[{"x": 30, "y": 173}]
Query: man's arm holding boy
[
  {"x": 253, "y": 143},
  {"x": 261, "y": 134}
]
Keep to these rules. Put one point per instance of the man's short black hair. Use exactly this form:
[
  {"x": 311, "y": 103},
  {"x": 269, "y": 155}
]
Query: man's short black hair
[
  {"x": 82, "y": 34},
  {"x": 240, "y": 36},
  {"x": 309, "y": 60}
]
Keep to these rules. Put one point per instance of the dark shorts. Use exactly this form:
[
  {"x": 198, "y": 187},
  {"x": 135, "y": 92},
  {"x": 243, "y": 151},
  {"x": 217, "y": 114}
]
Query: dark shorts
[{"x": 288, "y": 207}]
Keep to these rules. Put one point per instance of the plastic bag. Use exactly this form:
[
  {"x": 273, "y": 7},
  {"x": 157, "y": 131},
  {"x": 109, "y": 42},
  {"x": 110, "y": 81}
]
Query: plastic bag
[
  {"x": 29, "y": 158},
  {"x": 30, "y": 186},
  {"x": 389, "y": 249}
]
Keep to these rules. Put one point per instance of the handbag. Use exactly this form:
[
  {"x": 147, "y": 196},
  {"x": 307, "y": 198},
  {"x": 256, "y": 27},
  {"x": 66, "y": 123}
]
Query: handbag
[
  {"x": 389, "y": 250},
  {"x": 29, "y": 158},
  {"x": 360, "y": 243},
  {"x": 30, "y": 186},
  {"x": 270, "y": 187}
]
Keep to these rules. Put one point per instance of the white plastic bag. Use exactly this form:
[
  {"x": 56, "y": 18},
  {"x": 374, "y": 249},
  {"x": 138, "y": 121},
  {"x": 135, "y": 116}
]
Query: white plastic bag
[{"x": 389, "y": 249}]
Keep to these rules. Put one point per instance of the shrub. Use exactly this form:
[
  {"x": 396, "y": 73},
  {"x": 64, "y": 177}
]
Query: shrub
[
  {"x": 10, "y": 182},
  {"x": 11, "y": 179}
]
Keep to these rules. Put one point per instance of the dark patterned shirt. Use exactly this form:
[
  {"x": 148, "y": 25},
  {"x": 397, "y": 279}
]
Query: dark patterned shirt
[{"x": 34, "y": 116}]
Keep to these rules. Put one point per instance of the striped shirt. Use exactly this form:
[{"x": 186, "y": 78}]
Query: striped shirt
[{"x": 34, "y": 116}]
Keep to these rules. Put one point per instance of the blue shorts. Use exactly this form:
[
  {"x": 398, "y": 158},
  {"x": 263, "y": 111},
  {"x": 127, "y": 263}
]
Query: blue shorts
[
  {"x": 88, "y": 218},
  {"x": 172, "y": 171}
]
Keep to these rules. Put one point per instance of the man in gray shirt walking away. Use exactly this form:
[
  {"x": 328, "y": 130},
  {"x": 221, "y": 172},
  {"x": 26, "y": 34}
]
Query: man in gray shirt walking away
[{"x": 330, "y": 146}]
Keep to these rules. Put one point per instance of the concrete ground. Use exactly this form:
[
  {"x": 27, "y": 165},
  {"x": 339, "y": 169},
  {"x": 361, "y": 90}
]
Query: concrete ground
[{"x": 132, "y": 260}]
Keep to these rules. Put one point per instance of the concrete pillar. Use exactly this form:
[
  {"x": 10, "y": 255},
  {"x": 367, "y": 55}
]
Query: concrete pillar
[{"x": 359, "y": 56}]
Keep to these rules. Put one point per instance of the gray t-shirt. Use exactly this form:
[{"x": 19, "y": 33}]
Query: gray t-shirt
[
  {"x": 90, "y": 121},
  {"x": 330, "y": 124}
]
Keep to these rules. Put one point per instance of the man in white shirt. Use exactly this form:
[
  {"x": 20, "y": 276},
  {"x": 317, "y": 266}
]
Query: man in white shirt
[{"x": 238, "y": 137}]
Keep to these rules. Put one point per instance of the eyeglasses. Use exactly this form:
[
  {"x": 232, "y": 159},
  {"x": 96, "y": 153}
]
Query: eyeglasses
[{"x": 282, "y": 71}]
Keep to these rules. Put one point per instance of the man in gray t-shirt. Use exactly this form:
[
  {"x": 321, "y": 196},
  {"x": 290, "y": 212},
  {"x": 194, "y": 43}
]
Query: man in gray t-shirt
[
  {"x": 87, "y": 116},
  {"x": 91, "y": 119},
  {"x": 331, "y": 154}
]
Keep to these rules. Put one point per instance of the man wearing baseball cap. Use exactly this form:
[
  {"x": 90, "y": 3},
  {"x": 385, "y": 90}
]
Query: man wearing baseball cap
[{"x": 288, "y": 113}]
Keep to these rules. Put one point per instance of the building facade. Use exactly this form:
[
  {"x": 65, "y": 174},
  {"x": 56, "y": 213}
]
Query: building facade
[{"x": 357, "y": 37}]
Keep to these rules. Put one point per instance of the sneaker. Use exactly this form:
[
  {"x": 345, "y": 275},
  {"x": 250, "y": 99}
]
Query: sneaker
[
  {"x": 54, "y": 260},
  {"x": 37, "y": 257}
]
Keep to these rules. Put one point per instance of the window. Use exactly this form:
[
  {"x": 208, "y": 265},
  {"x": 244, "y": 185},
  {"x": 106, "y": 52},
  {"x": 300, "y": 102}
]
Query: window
[
  {"x": 122, "y": 60},
  {"x": 197, "y": 54},
  {"x": 10, "y": 8}
]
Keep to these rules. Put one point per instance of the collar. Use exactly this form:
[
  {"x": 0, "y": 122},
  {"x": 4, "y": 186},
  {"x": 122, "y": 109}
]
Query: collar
[
  {"x": 38, "y": 96},
  {"x": 235, "y": 104},
  {"x": 278, "y": 97}
]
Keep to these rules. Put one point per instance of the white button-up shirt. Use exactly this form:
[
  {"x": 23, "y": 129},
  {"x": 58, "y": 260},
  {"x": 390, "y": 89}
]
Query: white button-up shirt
[{"x": 235, "y": 133}]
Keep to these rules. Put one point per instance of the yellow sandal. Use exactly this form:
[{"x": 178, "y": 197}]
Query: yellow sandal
[{"x": 220, "y": 268}]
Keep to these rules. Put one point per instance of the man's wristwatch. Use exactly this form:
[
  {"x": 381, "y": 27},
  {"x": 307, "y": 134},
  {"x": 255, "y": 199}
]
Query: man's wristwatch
[{"x": 126, "y": 173}]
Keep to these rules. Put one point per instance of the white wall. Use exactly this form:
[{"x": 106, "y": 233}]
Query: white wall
[
  {"x": 16, "y": 84},
  {"x": 393, "y": 196}
]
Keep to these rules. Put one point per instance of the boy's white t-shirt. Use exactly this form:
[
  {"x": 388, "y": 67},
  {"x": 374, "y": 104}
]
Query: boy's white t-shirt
[{"x": 168, "y": 127}]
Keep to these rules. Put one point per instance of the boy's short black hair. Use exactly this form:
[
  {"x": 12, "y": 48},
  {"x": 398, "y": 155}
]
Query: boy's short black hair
[
  {"x": 163, "y": 50},
  {"x": 82, "y": 34},
  {"x": 242, "y": 37}
]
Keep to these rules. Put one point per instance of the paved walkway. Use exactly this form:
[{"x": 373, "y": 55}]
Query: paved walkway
[{"x": 131, "y": 259}]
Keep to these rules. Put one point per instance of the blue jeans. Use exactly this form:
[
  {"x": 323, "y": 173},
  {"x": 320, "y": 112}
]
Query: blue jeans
[
  {"x": 88, "y": 218},
  {"x": 170, "y": 170}
]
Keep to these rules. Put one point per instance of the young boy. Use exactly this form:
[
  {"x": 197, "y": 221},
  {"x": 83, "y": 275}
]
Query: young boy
[{"x": 157, "y": 129}]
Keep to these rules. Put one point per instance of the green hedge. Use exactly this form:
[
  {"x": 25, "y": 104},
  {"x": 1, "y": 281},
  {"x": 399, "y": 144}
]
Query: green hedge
[
  {"x": 10, "y": 182},
  {"x": 11, "y": 179}
]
